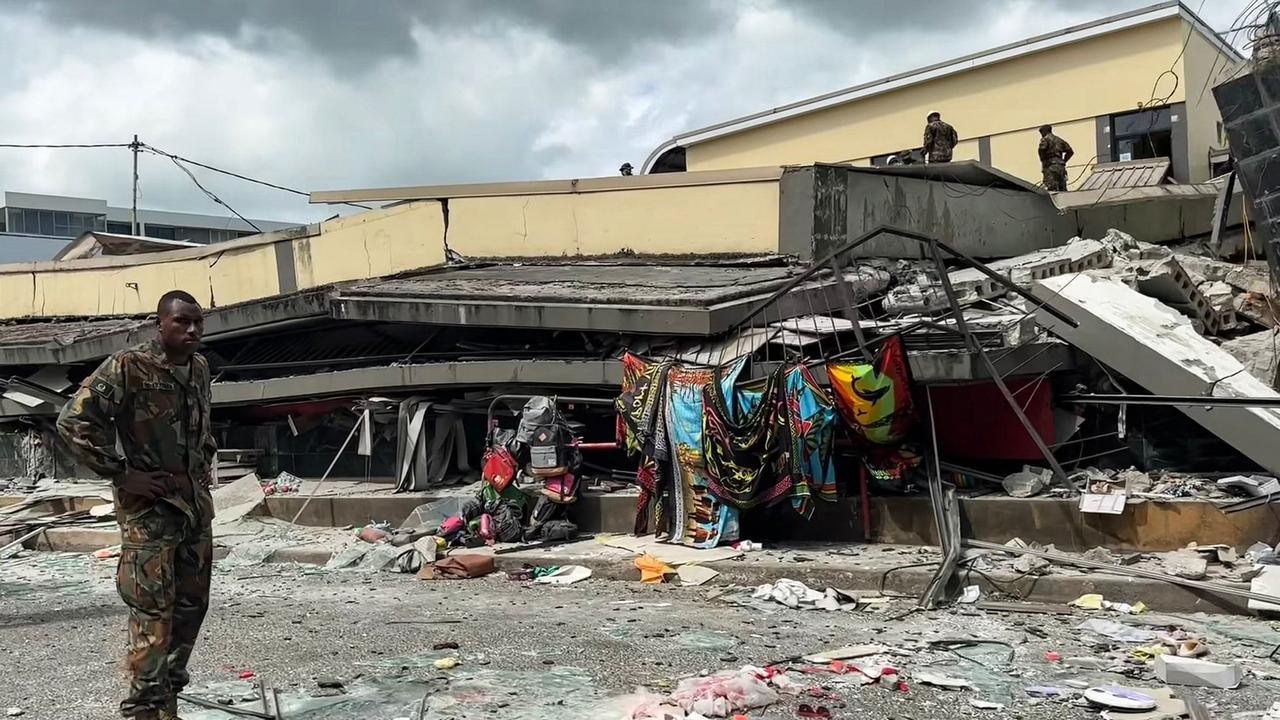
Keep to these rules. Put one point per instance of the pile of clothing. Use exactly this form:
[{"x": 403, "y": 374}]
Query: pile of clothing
[{"x": 528, "y": 480}]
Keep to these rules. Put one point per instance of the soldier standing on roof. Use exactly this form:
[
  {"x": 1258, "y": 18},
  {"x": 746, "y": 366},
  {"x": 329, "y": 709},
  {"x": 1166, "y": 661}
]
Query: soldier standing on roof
[
  {"x": 1054, "y": 154},
  {"x": 939, "y": 139},
  {"x": 154, "y": 400}
]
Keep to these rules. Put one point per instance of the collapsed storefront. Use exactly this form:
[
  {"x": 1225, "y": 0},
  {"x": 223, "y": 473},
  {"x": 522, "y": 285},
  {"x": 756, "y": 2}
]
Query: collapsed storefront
[{"x": 762, "y": 396}]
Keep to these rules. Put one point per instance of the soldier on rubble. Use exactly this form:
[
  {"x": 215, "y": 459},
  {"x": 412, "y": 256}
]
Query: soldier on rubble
[
  {"x": 152, "y": 401},
  {"x": 1054, "y": 154},
  {"x": 940, "y": 139}
]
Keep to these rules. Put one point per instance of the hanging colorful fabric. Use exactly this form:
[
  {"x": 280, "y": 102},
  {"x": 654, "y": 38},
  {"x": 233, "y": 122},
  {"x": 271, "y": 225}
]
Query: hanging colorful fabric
[
  {"x": 695, "y": 516},
  {"x": 875, "y": 400},
  {"x": 810, "y": 421},
  {"x": 641, "y": 426},
  {"x": 779, "y": 447}
]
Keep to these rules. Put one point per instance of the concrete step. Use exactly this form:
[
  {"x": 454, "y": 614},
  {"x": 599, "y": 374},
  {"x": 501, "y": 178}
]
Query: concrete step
[{"x": 1145, "y": 526}]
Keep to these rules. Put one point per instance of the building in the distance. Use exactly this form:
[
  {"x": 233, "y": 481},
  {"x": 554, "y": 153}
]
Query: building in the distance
[
  {"x": 1126, "y": 87},
  {"x": 36, "y": 227}
]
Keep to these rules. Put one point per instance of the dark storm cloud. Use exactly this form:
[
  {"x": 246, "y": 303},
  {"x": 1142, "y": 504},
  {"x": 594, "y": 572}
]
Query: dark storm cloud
[
  {"x": 605, "y": 29},
  {"x": 372, "y": 30}
]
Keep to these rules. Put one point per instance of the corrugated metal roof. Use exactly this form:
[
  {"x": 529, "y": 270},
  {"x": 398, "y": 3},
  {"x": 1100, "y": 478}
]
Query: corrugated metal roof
[{"x": 1131, "y": 174}]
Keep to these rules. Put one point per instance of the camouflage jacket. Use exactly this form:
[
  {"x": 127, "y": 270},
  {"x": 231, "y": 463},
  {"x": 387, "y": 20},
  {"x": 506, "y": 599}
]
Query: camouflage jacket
[
  {"x": 939, "y": 138},
  {"x": 1054, "y": 151},
  {"x": 136, "y": 402}
]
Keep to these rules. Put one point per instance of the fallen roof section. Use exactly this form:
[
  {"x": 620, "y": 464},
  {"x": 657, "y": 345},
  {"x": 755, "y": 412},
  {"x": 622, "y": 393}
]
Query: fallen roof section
[
  {"x": 62, "y": 342},
  {"x": 549, "y": 187},
  {"x": 965, "y": 172},
  {"x": 1129, "y": 174},
  {"x": 1157, "y": 348},
  {"x": 95, "y": 243},
  {"x": 399, "y": 378},
  {"x": 1103, "y": 197},
  {"x": 653, "y": 299}
]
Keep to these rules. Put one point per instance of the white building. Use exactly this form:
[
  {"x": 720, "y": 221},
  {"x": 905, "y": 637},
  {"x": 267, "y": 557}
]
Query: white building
[{"x": 30, "y": 224}]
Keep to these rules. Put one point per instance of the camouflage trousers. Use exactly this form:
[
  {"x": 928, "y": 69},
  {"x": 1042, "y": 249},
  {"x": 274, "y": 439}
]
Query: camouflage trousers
[
  {"x": 163, "y": 577},
  {"x": 1055, "y": 177}
]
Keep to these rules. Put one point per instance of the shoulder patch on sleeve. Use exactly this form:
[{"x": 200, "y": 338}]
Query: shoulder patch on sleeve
[{"x": 103, "y": 388}]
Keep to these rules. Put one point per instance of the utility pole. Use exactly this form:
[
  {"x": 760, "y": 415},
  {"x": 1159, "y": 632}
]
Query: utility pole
[{"x": 133, "y": 224}]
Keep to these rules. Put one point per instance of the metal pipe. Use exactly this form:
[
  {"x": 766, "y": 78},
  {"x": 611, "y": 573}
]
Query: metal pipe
[
  {"x": 229, "y": 709},
  {"x": 359, "y": 421},
  {"x": 15, "y": 547},
  {"x": 1129, "y": 572},
  {"x": 1208, "y": 401},
  {"x": 1059, "y": 475}
]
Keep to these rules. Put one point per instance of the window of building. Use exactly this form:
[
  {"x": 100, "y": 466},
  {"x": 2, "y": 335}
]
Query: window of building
[
  {"x": 120, "y": 228},
  {"x": 53, "y": 222},
  {"x": 161, "y": 232},
  {"x": 1142, "y": 135}
]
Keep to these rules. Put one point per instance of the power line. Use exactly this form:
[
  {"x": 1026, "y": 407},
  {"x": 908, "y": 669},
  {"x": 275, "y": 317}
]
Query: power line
[
  {"x": 210, "y": 194},
  {"x": 23, "y": 146},
  {"x": 246, "y": 178}
]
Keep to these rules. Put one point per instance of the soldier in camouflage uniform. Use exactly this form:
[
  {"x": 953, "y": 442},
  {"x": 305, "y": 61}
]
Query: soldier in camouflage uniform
[
  {"x": 1054, "y": 154},
  {"x": 154, "y": 399},
  {"x": 940, "y": 139}
]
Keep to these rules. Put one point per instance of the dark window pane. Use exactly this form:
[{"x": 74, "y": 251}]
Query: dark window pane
[
  {"x": 1140, "y": 123},
  {"x": 163, "y": 232},
  {"x": 120, "y": 228}
]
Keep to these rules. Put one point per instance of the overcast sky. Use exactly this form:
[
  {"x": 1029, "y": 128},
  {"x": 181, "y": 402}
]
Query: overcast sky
[{"x": 328, "y": 94}]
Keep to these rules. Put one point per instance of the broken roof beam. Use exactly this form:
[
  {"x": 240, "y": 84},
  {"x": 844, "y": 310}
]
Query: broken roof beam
[
  {"x": 548, "y": 187},
  {"x": 1156, "y": 347},
  {"x": 479, "y": 373}
]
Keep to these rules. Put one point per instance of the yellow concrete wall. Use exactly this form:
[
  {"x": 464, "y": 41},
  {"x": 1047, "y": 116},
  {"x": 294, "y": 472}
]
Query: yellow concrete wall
[
  {"x": 724, "y": 218},
  {"x": 965, "y": 150},
  {"x": 365, "y": 245},
  {"x": 1017, "y": 152},
  {"x": 1099, "y": 76},
  {"x": 1202, "y": 63},
  {"x": 372, "y": 244},
  {"x": 728, "y": 217}
]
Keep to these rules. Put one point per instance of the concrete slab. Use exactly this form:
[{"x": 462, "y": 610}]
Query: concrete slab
[
  {"x": 700, "y": 300},
  {"x": 1156, "y": 347}
]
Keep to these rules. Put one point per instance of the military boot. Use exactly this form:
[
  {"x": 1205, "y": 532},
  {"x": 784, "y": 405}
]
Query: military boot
[{"x": 170, "y": 711}]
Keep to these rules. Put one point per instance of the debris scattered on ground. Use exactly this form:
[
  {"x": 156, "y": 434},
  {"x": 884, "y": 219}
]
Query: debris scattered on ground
[
  {"x": 693, "y": 575},
  {"x": 1177, "y": 670},
  {"x": 652, "y": 570},
  {"x": 1027, "y": 482},
  {"x": 1116, "y": 631},
  {"x": 565, "y": 575}
]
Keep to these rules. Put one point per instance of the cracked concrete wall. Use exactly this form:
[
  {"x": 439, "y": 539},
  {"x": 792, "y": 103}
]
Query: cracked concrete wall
[
  {"x": 707, "y": 219},
  {"x": 721, "y": 218},
  {"x": 369, "y": 244}
]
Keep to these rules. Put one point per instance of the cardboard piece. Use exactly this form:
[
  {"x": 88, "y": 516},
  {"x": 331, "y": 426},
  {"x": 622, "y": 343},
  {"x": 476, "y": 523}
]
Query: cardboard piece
[
  {"x": 690, "y": 574},
  {"x": 1104, "y": 504},
  {"x": 674, "y": 555},
  {"x": 1197, "y": 673}
]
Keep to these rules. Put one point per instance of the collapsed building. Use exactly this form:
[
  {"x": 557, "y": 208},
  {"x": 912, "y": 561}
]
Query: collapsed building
[{"x": 431, "y": 320}]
